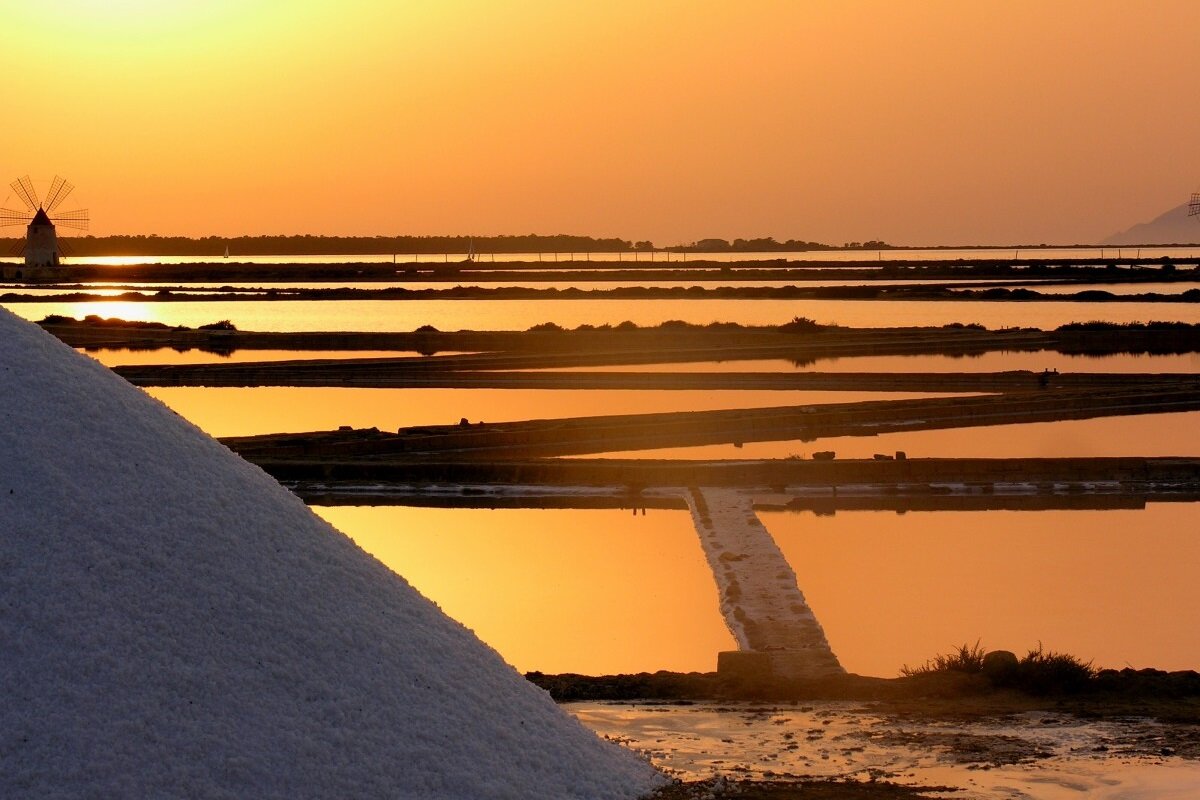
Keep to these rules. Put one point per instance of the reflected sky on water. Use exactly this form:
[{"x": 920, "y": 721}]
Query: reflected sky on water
[
  {"x": 165, "y": 355},
  {"x": 995, "y": 361},
  {"x": 603, "y": 591},
  {"x": 234, "y": 411},
  {"x": 935, "y": 254},
  {"x": 598, "y": 591},
  {"x": 499, "y": 315},
  {"x": 1175, "y": 434}
]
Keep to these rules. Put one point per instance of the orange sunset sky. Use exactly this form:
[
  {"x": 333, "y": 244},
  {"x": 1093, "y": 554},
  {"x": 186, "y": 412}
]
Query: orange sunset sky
[{"x": 914, "y": 122}]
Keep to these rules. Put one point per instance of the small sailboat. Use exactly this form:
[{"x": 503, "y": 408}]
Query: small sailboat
[{"x": 226, "y": 251}]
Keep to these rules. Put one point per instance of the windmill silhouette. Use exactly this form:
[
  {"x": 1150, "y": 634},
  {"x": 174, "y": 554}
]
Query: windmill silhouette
[
  {"x": 1194, "y": 205},
  {"x": 41, "y": 217}
]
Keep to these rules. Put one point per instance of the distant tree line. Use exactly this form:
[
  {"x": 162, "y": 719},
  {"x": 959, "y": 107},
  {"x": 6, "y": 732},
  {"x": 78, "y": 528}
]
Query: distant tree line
[
  {"x": 308, "y": 245},
  {"x": 329, "y": 245},
  {"x": 769, "y": 245}
]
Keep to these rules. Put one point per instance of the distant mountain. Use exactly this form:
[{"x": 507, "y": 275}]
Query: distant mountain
[{"x": 1173, "y": 227}]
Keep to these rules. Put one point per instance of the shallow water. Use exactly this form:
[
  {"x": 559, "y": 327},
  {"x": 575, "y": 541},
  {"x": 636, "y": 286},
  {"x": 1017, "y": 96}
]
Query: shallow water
[
  {"x": 109, "y": 288},
  {"x": 995, "y": 361},
  {"x": 1037, "y": 755},
  {"x": 559, "y": 591},
  {"x": 236, "y": 411},
  {"x": 481, "y": 315},
  {"x": 1176, "y": 434},
  {"x": 165, "y": 355},
  {"x": 940, "y": 254},
  {"x": 604, "y": 591}
]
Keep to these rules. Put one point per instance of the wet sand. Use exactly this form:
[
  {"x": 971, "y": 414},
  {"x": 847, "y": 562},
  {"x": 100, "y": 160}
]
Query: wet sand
[{"x": 1036, "y": 753}]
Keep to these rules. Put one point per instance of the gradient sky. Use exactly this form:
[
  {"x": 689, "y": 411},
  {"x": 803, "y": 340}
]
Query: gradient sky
[{"x": 914, "y": 122}]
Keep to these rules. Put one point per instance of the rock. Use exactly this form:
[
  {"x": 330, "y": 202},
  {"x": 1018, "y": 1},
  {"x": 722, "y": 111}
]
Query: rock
[{"x": 1000, "y": 666}]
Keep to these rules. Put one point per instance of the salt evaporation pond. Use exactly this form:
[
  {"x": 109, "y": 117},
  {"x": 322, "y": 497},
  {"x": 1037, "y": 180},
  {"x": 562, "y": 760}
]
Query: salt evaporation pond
[
  {"x": 110, "y": 288},
  {"x": 1032, "y": 254},
  {"x": 595, "y": 581},
  {"x": 994, "y": 361},
  {"x": 483, "y": 315},
  {"x": 119, "y": 357},
  {"x": 1174, "y": 434},
  {"x": 549, "y": 260},
  {"x": 238, "y": 411}
]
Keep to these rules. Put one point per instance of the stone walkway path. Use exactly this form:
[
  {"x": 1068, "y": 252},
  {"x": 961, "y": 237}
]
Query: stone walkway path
[{"x": 760, "y": 599}]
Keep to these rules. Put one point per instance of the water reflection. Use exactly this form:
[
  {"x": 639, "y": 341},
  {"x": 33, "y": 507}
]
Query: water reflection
[
  {"x": 500, "y": 315},
  {"x": 601, "y": 591},
  {"x": 1175, "y": 434},
  {"x": 996, "y": 361},
  {"x": 1032, "y": 254},
  {"x": 577, "y": 282},
  {"x": 591, "y": 591},
  {"x": 231, "y": 411},
  {"x": 166, "y": 355},
  {"x": 1113, "y": 586}
]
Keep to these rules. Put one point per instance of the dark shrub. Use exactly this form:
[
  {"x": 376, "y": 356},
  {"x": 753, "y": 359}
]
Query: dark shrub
[
  {"x": 1046, "y": 672},
  {"x": 57, "y": 319},
  {"x": 967, "y": 658},
  {"x": 801, "y": 325}
]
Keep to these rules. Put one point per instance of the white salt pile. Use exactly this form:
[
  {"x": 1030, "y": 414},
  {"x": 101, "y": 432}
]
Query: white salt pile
[{"x": 175, "y": 624}]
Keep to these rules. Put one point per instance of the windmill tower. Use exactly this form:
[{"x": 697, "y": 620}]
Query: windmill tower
[{"x": 40, "y": 218}]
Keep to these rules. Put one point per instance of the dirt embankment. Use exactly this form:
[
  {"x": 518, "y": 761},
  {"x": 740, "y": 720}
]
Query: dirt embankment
[{"x": 1168, "y": 696}]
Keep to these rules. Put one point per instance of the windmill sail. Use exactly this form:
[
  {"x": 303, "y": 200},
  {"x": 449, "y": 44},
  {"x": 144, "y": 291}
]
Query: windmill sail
[
  {"x": 71, "y": 219},
  {"x": 24, "y": 189},
  {"x": 1194, "y": 205},
  {"x": 59, "y": 190},
  {"x": 42, "y": 247},
  {"x": 10, "y": 217}
]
